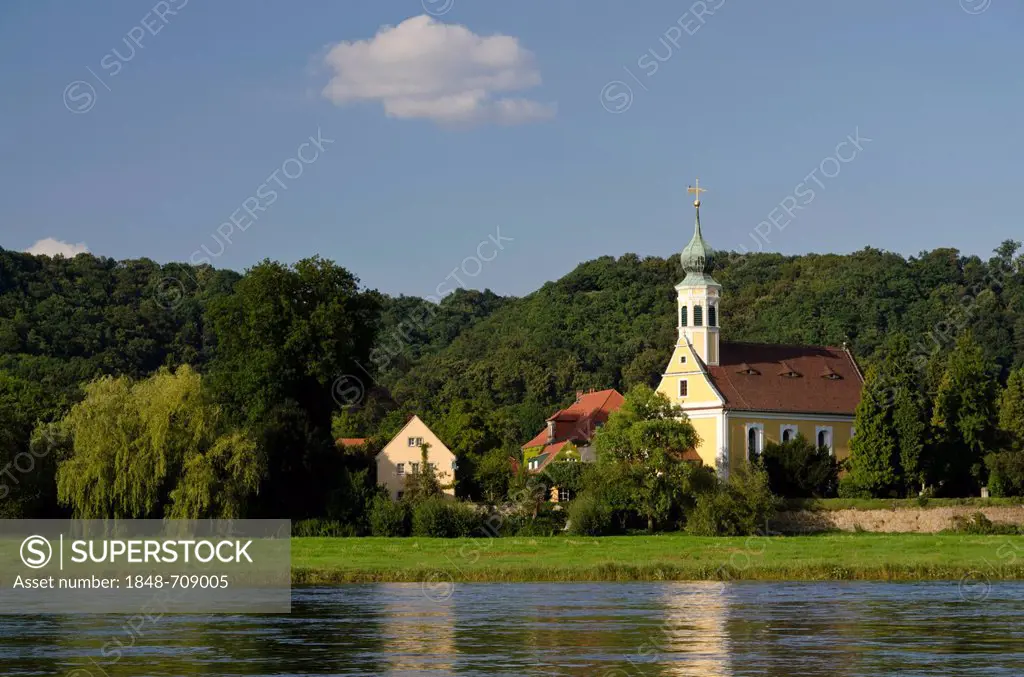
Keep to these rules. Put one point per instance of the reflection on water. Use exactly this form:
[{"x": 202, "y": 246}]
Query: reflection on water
[{"x": 608, "y": 630}]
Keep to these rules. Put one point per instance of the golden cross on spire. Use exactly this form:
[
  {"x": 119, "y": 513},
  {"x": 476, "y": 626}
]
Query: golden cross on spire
[{"x": 696, "y": 190}]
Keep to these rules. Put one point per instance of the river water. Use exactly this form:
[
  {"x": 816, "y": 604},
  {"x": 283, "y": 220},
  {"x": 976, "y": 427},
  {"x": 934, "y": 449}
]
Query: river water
[{"x": 607, "y": 630}]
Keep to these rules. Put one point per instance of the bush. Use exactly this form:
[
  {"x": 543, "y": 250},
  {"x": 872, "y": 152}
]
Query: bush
[
  {"x": 445, "y": 518},
  {"x": 798, "y": 469},
  {"x": 388, "y": 518},
  {"x": 548, "y": 522},
  {"x": 323, "y": 528},
  {"x": 589, "y": 516},
  {"x": 850, "y": 488},
  {"x": 978, "y": 524},
  {"x": 740, "y": 507},
  {"x": 1005, "y": 473}
]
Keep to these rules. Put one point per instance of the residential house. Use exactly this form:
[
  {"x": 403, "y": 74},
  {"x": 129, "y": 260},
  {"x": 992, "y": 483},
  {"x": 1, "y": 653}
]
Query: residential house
[
  {"x": 402, "y": 456},
  {"x": 569, "y": 433}
]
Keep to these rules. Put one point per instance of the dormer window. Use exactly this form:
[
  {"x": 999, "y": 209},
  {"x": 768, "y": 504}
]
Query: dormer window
[
  {"x": 830, "y": 375},
  {"x": 788, "y": 371},
  {"x": 747, "y": 370}
]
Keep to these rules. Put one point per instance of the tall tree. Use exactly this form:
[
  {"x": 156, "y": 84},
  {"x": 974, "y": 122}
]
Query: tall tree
[
  {"x": 874, "y": 454},
  {"x": 644, "y": 441},
  {"x": 283, "y": 339},
  {"x": 26, "y": 472},
  {"x": 963, "y": 418},
  {"x": 1011, "y": 411}
]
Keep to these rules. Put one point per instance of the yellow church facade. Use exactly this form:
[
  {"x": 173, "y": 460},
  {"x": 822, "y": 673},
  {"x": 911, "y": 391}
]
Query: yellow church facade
[{"x": 741, "y": 396}]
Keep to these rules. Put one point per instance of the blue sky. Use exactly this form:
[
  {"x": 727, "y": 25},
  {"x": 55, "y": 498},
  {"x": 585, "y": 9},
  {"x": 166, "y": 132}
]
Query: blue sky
[{"x": 437, "y": 138}]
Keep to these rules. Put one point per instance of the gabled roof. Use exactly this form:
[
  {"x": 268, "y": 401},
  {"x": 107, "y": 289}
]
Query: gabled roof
[
  {"x": 351, "y": 441},
  {"x": 828, "y": 381},
  {"x": 580, "y": 420},
  {"x": 412, "y": 419}
]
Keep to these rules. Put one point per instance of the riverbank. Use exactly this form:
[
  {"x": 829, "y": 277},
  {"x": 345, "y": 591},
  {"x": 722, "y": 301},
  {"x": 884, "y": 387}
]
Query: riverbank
[{"x": 899, "y": 557}]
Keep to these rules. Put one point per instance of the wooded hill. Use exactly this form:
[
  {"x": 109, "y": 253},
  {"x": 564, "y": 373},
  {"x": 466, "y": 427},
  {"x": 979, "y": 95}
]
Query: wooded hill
[{"x": 483, "y": 370}]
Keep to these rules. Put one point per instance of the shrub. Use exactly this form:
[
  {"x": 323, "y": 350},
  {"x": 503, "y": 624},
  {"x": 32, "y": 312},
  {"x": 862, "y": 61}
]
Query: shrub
[
  {"x": 798, "y": 469},
  {"x": 323, "y": 528},
  {"x": 548, "y": 522},
  {"x": 589, "y": 516},
  {"x": 850, "y": 488},
  {"x": 978, "y": 524},
  {"x": 1005, "y": 473},
  {"x": 742, "y": 506},
  {"x": 388, "y": 518},
  {"x": 445, "y": 518}
]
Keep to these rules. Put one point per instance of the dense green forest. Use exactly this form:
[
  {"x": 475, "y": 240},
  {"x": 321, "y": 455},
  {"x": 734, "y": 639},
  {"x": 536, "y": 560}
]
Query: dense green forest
[{"x": 269, "y": 352}]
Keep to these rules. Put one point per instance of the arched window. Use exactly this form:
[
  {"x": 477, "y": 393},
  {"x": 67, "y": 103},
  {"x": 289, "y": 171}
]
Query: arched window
[
  {"x": 712, "y": 316},
  {"x": 752, "y": 449},
  {"x": 698, "y": 316},
  {"x": 824, "y": 437},
  {"x": 682, "y": 316},
  {"x": 788, "y": 432}
]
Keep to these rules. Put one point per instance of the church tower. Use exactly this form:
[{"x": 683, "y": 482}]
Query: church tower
[{"x": 698, "y": 294}]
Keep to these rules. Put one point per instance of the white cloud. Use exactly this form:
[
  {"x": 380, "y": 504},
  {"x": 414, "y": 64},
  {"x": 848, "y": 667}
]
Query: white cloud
[
  {"x": 423, "y": 68},
  {"x": 52, "y": 247}
]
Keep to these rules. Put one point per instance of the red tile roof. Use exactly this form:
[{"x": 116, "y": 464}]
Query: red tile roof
[
  {"x": 827, "y": 380},
  {"x": 351, "y": 441},
  {"x": 578, "y": 421}
]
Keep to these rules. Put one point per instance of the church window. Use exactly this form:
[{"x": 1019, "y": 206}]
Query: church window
[
  {"x": 712, "y": 316},
  {"x": 755, "y": 432},
  {"x": 683, "y": 388},
  {"x": 823, "y": 435},
  {"x": 788, "y": 433},
  {"x": 698, "y": 316},
  {"x": 682, "y": 316}
]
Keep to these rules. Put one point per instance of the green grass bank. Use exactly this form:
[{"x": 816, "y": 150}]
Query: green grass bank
[{"x": 897, "y": 557}]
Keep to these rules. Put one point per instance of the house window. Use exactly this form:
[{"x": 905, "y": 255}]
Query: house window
[
  {"x": 433, "y": 466},
  {"x": 400, "y": 469},
  {"x": 415, "y": 468},
  {"x": 823, "y": 435},
  {"x": 682, "y": 316},
  {"x": 755, "y": 440},
  {"x": 698, "y": 316},
  {"x": 563, "y": 495},
  {"x": 682, "y": 359},
  {"x": 400, "y": 494},
  {"x": 712, "y": 316},
  {"x": 415, "y": 441},
  {"x": 683, "y": 388},
  {"x": 787, "y": 433}
]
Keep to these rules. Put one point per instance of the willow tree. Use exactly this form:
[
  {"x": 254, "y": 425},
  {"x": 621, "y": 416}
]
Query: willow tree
[{"x": 154, "y": 448}]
